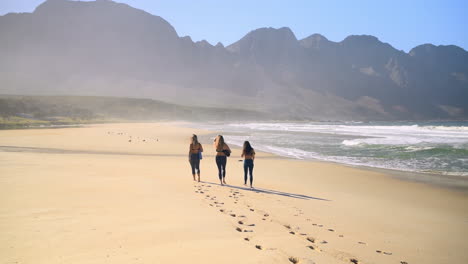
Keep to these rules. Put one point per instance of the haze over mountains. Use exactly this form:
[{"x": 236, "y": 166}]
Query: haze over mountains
[{"x": 105, "y": 48}]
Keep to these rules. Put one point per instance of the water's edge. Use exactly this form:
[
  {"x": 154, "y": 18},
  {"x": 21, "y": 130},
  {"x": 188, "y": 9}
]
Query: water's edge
[{"x": 459, "y": 183}]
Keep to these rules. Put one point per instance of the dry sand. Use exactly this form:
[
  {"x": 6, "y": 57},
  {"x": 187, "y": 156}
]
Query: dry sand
[{"x": 88, "y": 195}]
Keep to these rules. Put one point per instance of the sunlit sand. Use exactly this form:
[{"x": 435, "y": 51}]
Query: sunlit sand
[{"x": 123, "y": 193}]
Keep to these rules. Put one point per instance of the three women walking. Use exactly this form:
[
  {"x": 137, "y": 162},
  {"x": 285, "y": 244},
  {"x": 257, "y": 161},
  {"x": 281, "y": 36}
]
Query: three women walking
[{"x": 222, "y": 152}]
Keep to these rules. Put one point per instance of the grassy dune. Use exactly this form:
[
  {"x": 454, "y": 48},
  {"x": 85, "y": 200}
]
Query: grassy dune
[{"x": 31, "y": 111}]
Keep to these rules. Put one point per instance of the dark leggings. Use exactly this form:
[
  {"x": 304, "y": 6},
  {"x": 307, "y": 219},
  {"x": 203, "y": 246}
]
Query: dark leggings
[
  {"x": 195, "y": 163},
  {"x": 221, "y": 163},
  {"x": 248, "y": 165}
]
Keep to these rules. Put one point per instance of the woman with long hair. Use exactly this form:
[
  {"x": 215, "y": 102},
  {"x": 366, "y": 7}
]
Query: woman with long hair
[
  {"x": 248, "y": 154},
  {"x": 222, "y": 152},
  {"x": 195, "y": 151}
]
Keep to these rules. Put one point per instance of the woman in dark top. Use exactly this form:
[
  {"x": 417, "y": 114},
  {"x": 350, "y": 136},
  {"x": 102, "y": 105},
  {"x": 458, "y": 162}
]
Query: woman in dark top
[
  {"x": 248, "y": 154},
  {"x": 222, "y": 152},
  {"x": 195, "y": 151}
]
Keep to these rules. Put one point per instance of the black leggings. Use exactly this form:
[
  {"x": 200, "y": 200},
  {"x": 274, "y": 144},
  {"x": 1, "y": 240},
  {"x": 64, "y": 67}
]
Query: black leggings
[
  {"x": 195, "y": 163},
  {"x": 248, "y": 165},
  {"x": 221, "y": 163}
]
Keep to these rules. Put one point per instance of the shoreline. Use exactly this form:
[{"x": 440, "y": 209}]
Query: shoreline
[{"x": 456, "y": 183}]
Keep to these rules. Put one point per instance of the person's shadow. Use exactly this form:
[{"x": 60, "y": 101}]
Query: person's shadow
[{"x": 273, "y": 192}]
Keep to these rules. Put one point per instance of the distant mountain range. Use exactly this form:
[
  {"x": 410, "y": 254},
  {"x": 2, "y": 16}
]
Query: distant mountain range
[{"x": 104, "y": 48}]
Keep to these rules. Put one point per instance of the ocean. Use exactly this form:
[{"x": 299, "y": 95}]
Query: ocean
[{"x": 439, "y": 148}]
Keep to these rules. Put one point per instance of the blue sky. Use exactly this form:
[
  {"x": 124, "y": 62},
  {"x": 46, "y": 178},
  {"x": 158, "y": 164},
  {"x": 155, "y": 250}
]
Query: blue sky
[{"x": 403, "y": 24}]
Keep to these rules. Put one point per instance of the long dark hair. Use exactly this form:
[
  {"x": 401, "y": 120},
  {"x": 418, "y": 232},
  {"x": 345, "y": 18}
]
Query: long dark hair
[
  {"x": 247, "y": 148},
  {"x": 194, "y": 140}
]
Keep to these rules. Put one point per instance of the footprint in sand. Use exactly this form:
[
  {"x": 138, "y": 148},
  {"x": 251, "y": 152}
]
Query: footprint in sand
[
  {"x": 331, "y": 230},
  {"x": 362, "y": 243},
  {"x": 313, "y": 248},
  {"x": 238, "y": 229},
  {"x": 240, "y": 222},
  {"x": 355, "y": 261},
  {"x": 258, "y": 247},
  {"x": 233, "y": 215},
  {"x": 324, "y": 242},
  {"x": 246, "y": 239},
  {"x": 292, "y": 233},
  {"x": 287, "y": 226},
  {"x": 311, "y": 239},
  {"x": 293, "y": 260},
  {"x": 384, "y": 252}
]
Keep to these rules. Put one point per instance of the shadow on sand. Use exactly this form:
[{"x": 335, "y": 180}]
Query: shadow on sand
[{"x": 272, "y": 192}]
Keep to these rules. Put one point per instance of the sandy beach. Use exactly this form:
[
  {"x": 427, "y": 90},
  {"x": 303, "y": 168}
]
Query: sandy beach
[{"x": 123, "y": 193}]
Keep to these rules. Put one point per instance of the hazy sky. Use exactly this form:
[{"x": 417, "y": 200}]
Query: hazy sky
[{"x": 402, "y": 23}]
